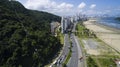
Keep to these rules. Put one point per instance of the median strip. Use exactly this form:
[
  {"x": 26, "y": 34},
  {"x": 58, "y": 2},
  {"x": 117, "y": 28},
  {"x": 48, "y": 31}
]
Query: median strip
[{"x": 69, "y": 55}]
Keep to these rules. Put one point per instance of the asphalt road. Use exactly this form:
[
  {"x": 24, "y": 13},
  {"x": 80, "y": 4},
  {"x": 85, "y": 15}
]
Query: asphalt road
[
  {"x": 74, "y": 57},
  {"x": 80, "y": 62},
  {"x": 73, "y": 30},
  {"x": 65, "y": 51},
  {"x": 76, "y": 53}
]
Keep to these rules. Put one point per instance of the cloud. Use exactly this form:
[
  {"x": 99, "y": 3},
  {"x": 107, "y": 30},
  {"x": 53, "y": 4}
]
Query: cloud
[
  {"x": 35, "y": 4},
  {"x": 93, "y": 6},
  {"x": 64, "y": 8},
  {"x": 49, "y": 6},
  {"x": 81, "y": 5},
  {"x": 96, "y": 12},
  {"x": 65, "y": 5}
]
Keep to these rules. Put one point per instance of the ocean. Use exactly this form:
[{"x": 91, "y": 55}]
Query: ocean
[{"x": 109, "y": 21}]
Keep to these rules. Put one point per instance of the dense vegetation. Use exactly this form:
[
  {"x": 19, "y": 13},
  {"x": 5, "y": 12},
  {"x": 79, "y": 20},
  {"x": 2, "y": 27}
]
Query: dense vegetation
[{"x": 25, "y": 39}]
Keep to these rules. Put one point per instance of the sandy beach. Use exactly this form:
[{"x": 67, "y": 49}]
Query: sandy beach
[{"x": 109, "y": 35}]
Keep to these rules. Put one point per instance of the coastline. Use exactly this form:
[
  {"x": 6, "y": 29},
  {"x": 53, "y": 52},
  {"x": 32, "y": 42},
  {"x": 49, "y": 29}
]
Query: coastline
[
  {"x": 109, "y": 35},
  {"x": 108, "y": 27}
]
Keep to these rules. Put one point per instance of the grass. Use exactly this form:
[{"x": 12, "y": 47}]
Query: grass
[
  {"x": 107, "y": 57},
  {"x": 80, "y": 27},
  {"x": 91, "y": 62},
  {"x": 68, "y": 57},
  {"x": 106, "y": 62},
  {"x": 104, "y": 59},
  {"x": 69, "y": 54},
  {"x": 61, "y": 37},
  {"x": 80, "y": 30},
  {"x": 83, "y": 32},
  {"x": 80, "y": 33},
  {"x": 101, "y": 61}
]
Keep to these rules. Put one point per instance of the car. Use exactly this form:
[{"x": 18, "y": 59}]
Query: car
[{"x": 81, "y": 58}]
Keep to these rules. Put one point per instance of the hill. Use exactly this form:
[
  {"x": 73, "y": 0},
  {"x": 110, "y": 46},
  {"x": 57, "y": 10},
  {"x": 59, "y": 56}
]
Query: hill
[{"x": 25, "y": 39}]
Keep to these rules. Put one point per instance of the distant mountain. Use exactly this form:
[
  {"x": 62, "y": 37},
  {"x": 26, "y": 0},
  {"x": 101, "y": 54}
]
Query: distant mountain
[
  {"x": 25, "y": 39},
  {"x": 117, "y": 18}
]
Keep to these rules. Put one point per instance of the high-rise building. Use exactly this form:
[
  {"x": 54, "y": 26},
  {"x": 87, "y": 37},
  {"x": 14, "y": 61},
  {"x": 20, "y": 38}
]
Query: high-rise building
[{"x": 64, "y": 25}]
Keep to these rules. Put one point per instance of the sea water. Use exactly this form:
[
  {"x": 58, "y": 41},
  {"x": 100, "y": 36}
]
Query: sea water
[{"x": 109, "y": 21}]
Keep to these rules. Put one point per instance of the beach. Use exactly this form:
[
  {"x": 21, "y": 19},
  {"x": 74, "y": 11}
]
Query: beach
[{"x": 110, "y": 36}]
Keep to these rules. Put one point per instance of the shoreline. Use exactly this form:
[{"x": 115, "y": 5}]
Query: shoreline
[
  {"x": 109, "y": 35},
  {"x": 108, "y": 27}
]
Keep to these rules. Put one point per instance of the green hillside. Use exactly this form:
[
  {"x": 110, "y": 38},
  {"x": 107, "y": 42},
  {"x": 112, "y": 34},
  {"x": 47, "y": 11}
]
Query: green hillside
[{"x": 25, "y": 39}]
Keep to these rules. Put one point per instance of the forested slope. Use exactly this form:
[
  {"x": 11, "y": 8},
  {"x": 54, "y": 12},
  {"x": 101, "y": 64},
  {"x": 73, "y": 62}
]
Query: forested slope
[{"x": 25, "y": 39}]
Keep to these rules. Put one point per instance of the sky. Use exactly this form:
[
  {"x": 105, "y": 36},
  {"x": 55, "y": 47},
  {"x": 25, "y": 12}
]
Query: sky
[{"x": 73, "y": 7}]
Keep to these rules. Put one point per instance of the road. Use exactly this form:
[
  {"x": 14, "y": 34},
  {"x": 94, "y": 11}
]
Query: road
[
  {"x": 73, "y": 30},
  {"x": 76, "y": 53},
  {"x": 74, "y": 57},
  {"x": 118, "y": 63},
  {"x": 80, "y": 62},
  {"x": 75, "y": 60},
  {"x": 65, "y": 51}
]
